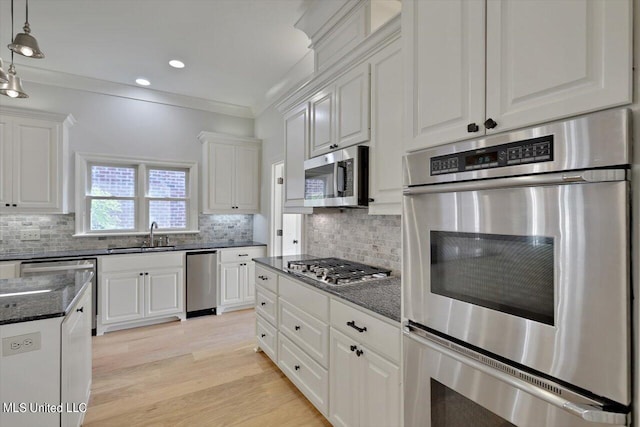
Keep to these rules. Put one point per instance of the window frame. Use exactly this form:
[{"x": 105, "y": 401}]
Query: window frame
[{"x": 84, "y": 161}]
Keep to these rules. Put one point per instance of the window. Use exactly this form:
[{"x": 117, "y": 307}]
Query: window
[{"x": 124, "y": 196}]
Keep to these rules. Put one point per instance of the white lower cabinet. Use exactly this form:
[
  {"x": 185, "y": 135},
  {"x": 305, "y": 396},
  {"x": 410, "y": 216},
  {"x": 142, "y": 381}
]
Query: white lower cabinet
[
  {"x": 139, "y": 288},
  {"x": 238, "y": 277},
  {"x": 344, "y": 359}
]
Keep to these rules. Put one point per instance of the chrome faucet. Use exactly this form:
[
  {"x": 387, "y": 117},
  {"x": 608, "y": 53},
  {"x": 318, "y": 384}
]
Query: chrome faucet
[{"x": 151, "y": 242}]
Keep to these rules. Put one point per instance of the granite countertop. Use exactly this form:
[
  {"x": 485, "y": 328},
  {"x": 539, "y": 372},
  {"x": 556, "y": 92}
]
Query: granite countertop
[
  {"x": 380, "y": 296},
  {"x": 50, "y": 295},
  {"x": 105, "y": 251}
]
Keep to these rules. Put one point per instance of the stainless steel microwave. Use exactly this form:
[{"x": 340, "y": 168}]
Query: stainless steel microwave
[{"x": 338, "y": 179}]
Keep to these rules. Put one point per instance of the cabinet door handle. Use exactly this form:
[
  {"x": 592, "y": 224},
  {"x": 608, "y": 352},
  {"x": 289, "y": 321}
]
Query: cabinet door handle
[
  {"x": 353, "y": 325},
  {"x": 14, "y": 205},
  {"x": 490, "y": 123},
  {"x": 359, "y": 353},
  {"x": 295, "y": 242},
  {"x": 263, "y": 335},
  {"x": 141, "y": 274},
  {"x": 146, "y": 273},
  {"x": 80, "y": 310},
  {"x": 472, "y": 127},
  {"x": 371, "y": 200},
  {"x": 263, "y": 303},
  {"x": 353, "y": 348},
  {"x": 8, "y": 205},
  {"x": 296, "y": 367},
  {"x": 297, "y": 327}
]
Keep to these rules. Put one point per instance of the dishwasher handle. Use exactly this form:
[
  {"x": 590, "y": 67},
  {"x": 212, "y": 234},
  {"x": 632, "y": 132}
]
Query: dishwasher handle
[{"x": 54, "y": 268}]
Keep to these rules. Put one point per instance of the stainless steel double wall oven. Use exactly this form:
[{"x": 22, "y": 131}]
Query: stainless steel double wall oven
[{"x": 516, "y": 277}]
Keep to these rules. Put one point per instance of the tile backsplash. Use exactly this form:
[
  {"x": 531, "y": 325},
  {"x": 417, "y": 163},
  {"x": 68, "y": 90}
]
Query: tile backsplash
[
  {"x": 355, "y": 235},
  {"x": 56, "y": 233}
]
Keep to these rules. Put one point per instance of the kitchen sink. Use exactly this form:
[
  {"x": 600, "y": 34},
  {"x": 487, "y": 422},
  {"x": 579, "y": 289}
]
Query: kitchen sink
[{"x": 139, "y": 249}]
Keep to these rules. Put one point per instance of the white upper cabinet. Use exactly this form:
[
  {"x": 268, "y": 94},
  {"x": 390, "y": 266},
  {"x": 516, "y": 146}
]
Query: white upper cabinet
[
  {"x": 33, "y": 172},
  {"x": 296, "y": 140},
  {"x": 385, "y": 154},
  {"x": 543, "y": 60},
  {"x": 231, "y": 174},
  {"x": 339, "y": 113}
]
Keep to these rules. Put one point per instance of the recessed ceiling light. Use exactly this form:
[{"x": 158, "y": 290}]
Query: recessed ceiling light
[
  {"x": 143, "y": 82},
  {"x": 176, "y": 64}
]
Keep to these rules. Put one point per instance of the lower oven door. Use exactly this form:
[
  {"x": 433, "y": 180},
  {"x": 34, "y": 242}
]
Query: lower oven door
[
  {"x": 444, "y": 388},
  {"x": 533, "y": 269}
]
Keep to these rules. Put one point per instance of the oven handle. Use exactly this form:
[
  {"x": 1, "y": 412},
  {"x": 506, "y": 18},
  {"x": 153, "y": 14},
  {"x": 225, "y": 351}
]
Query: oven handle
[
  {"x": 586, "y": 176},
  {"x": 585, "y": 411}
]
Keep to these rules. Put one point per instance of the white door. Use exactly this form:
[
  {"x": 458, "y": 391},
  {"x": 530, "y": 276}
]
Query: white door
[
  {"x": 380, "y": 391},
  {"x": 343, "y": 381},
  {"x": 385, "y": 148},
  {"x": 247, "y": 182},
  {"x": 221, "y": 175},
  {"x": 322, "y": 132},
  {"x": 122, "y": 297},
  {"x": 6, "y": 165},
  {"x": 164, "y": 292},
  {"x": 552, "y": 59},
  {"x": 230, "y": 290},
  {"x": 444, "y": 73},
  {"x": 35, "y": 164},
  {"x": 296, "y": 137},
  {"x": 352, "y": 107}
]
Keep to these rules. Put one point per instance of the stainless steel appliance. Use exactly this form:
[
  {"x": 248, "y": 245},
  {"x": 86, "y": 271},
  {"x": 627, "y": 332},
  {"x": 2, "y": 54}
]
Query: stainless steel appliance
[
  {"x": 338, "y": 179},
  {"x": 517, "y": 246},
  {"x": 67, "y": 264},
  {"x": 202, "y": 281},
  {"x": 336, "y": 271}
]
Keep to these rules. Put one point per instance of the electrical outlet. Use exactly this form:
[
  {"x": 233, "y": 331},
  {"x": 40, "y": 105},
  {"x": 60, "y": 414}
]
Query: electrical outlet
[
  {"x": 30, "y": 234},
  {"x": 21, "y": 344}
]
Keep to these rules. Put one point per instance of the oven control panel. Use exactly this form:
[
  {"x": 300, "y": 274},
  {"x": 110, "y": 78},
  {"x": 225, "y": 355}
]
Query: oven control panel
[{"x": 533, "y": 150}]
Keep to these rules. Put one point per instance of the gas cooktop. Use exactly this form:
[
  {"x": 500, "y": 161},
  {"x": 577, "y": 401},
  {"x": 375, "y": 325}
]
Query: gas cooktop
[{"x": 335, "y": 271}]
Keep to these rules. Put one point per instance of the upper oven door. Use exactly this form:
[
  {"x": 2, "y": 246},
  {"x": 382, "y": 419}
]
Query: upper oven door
[{"x": 536, "y": 274}]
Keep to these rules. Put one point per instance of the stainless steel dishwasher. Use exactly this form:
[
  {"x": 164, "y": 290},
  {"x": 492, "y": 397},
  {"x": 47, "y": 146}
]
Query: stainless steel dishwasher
[{"x": 202, "y": 283}]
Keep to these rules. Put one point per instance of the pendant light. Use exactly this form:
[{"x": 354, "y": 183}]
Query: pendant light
[
  {"x": 13, "y": 86},
  {"x": 24, "y": 43},
  {"x": 4, "y": 78}
]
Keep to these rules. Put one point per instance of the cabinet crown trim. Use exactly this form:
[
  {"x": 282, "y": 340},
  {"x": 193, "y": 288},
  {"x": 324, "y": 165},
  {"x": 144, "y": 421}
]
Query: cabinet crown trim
[
  {"x": 206, "y": 137},
  {"x": 66, "y": 119}
]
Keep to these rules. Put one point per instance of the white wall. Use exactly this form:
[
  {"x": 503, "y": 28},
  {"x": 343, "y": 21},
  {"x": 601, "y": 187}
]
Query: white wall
[
  {"x": 128, "y": 127},
  {"x": 269, "y": 127}
]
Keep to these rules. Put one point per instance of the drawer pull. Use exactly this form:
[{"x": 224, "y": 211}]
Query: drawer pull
[
  {"x": 243, "y": 254},
  {"x": 263, "y": 335},
  {"x": 296, "y": 367},
  {"x": 81, "y": 309},
  {"x": 359, "y": 353},
  {"x": 263, "y": 303},
  {"x": 353, "y": 348},
  {"x": 297, "y": 327},
  {"x": 353, "y": 325}
]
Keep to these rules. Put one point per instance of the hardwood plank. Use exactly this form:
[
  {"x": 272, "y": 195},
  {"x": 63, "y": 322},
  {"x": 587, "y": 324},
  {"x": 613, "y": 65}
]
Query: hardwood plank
[{"x": 202, "y": 372}]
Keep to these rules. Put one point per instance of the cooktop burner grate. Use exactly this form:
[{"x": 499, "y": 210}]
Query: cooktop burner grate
[{"x": 337, "y": 271}]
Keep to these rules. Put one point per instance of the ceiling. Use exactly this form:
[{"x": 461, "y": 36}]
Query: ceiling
[{"x": 234, "y": 50}]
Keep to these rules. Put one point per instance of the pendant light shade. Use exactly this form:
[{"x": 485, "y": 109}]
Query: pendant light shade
[
  {"x": 24, "y": 43},
  {"x": 13, "y": 88},
  {"x": 4, "y": 77}
]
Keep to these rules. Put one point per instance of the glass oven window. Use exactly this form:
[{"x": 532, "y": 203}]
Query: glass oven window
[
  {"x": 318, "y": 182},
  {"x": 511, "y": 274},
  {"x": 451, "y": 409}
]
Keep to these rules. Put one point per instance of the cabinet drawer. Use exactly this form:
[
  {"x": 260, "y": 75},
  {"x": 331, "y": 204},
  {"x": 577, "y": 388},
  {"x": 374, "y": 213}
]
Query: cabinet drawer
[
  {"x": 310, "y": 378},
  {"x": 379, "y": 335},
  {"x": 267, "y": 337},
  {"x": 309, "y": 333},
  {"x": 140, "y": 262},
  {"x": 9, "y": 270},
  {"x": 305, "y": 299},
  {"x": 267, "y": 305},
  {"x": 267, "y": 278},
  {"x": 241, "y": 254}
]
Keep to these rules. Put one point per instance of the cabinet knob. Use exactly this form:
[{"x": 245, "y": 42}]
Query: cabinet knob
[
  {"x": 472, "y": 127},
  {"x": 263, "y": 303},
  {"x": 297, "y": 327},
  {"x": 295, "y": 242},
  {"x": 80, "y": 310},
  {"x": 359, "y": 353},
  {"x": 263, "y": 335},
  {"x": 296, "y": 367},
  {"x": 353, "y": 348},
  {"x": 14, "y": 205},
  {"x": 141, "y": 274},
  {"x": 490, "y": 123},
  {"x": 8, "y": 205}
]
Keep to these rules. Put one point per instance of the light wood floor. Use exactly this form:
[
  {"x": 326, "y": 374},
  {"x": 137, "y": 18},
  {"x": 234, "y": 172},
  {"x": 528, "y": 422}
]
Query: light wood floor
[{"x": 202, "y": 372}]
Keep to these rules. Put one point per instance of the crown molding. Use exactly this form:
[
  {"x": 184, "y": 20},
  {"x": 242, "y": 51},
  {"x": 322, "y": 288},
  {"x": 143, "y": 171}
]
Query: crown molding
[{"x": 104, "y": 87}]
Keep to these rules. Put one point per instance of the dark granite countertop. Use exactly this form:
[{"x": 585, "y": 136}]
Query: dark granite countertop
[
  {"x": 105, "y": 251},
  {"x": 40, "y": 296},
  {"x": 380, "y": 296}
]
